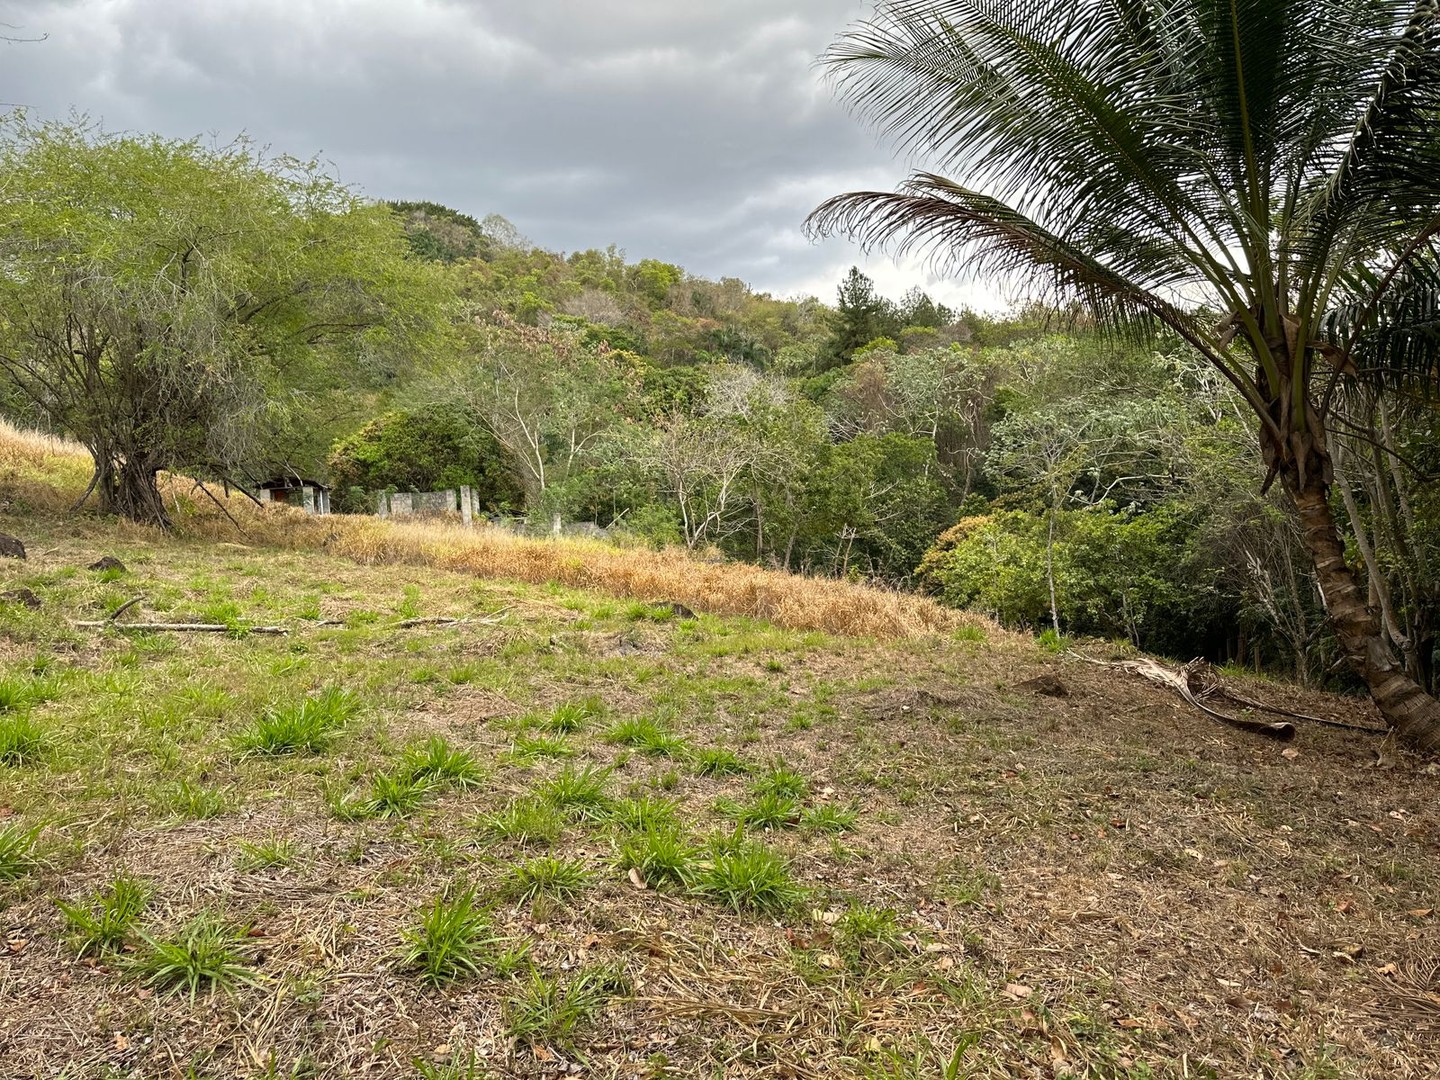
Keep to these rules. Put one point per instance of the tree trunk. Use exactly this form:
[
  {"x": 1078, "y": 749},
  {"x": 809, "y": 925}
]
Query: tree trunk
[
  {"x": 1414, "y": 714},
  {"x": 129, "y": 488}
]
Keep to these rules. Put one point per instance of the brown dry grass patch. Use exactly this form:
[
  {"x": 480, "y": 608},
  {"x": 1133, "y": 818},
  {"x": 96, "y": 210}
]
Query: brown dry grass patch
[{"x": 53, "y": 472}]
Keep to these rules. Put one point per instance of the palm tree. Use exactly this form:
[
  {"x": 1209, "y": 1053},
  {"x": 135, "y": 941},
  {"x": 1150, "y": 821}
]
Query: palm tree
[{"x": 1262, "y": 177}]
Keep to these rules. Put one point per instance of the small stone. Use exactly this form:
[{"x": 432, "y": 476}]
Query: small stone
[
  {"x": 11, "y": 547},
  {"x": 107, "y": 562},
  {"x": 22, "y": 596}
]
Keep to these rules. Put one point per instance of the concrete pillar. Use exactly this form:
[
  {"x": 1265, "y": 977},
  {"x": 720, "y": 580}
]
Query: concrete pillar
[
  {"x": 324, "y": 500},
  {"x": 382, "y": 504},
  {"x": 263, "y": 495},
  {"x": 307, "y": 498},
  {"x": 467, "y": 506}
]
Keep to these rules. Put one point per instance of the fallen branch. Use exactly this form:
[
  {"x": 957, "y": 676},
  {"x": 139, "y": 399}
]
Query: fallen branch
[
  {"x": 124, "y": 608},
  {"x": 1155, "y": 672},
  {"x": 451, "y": 620},
  {"x": 182, "y": 628},
  {"x": 1197, "y": 683}
]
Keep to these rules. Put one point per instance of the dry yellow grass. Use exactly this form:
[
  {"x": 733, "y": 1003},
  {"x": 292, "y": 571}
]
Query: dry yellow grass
[
  {"x": 800, "y": 603},
  {"x": 58, "y": 471},
  {"x": 40, "y": 473}
]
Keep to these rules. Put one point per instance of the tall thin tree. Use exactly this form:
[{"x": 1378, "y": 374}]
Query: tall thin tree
[{"x": 1262, "y": 177}]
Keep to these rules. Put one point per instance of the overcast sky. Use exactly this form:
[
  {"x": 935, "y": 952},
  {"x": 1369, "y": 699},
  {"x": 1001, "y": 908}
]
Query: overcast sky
[{"x": 695, "y": 132}]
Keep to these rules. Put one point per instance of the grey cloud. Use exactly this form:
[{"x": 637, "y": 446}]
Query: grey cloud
[{"x": 695, "y": 133}]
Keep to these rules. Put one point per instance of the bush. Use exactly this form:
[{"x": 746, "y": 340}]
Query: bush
[
  {"x": 421, "y": 450},
  {"x": 1116, "y": 574}
]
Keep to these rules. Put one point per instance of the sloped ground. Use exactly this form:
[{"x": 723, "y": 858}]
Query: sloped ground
[{"x": 969, "y": 876}]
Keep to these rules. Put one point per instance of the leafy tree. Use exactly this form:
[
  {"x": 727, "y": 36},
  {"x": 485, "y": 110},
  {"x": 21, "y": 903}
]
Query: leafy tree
[
  {"x": 441, "y": 234},
  {"x": 1275, "y": 162},
  {"x": 861, "y": 316},
  {"x": 547, "y": 398},
  {"x": 421, "y": 450},
  {"x": 160, "y": 297}
]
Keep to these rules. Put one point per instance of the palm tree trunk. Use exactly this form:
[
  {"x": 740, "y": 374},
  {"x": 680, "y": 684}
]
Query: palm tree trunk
[{"x": 1407, "y": 708}]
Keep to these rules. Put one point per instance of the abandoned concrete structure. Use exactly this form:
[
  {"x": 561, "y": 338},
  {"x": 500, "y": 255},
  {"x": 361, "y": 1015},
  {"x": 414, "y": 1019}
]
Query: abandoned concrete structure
[{"x": 309, "y": 495}]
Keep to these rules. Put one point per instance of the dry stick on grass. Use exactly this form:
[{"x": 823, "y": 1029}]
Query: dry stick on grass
[
  {"x": 124, "y": 608},
  {"x": 190, "y": 628},
  {"x": 1196, "y": 682},
  {"x": 1155, "y": 672}
]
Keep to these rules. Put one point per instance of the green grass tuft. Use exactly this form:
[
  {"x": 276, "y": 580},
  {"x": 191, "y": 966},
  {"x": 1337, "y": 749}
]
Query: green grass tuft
[
  {"x": 744, "y": 875},
  {"x": 717, "y": 761},
  {"x": 309, "y": 725},
  {"x": 204, "y": 954},
  {"x": 273, "y": 851},
  {"x": 546, "y": 1010},
  {"x": 451, "y": 939},
  {"x": 107, "y": 921},
  {"x": 526, "y": 822},
  {"x": 643, "y": 812},
  {"x": 528, "y": 748},
  {"x": 437, "y": 761},
  {"x": 22, "y": 740},
  {"x": 17, "y": 851},
  {"x": 829, "y": 818},
  {"x": 661, "y": 854},
  {"x": 768, "y": 810},
  {"x": 392, "y": 795},
  {"x": 548, "y": 876},
  {"x": 781, "y": 781},
  {"x": 579, "y": 795},
  {"x": 647, "y": 735},
  {"x": 573, "y": 715}
]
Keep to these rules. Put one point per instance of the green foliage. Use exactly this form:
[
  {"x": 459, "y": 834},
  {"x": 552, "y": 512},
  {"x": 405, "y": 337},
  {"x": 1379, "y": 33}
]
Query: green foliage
[
  {"x": 648, "y": 735},
  {"x": 661, "y": 853},
  {"x": 545, "y": 1009},
  {"x": 718, "y": 761},
  {"x": 642, "y": 813},
  {"x": 571, "y": 716},
  {"x": 548, "y": 876},
  {"x": 745, "y": 875},
  {"x": 440, "y": 234},
  {"x": 451, "y": 938},
  {"x": 23, "y": 740},
  {"x": 829, "y": 818},
  {"x": 525, "y": 821},
  {"x": 185, "y": 301},
  {"x": 17, "y": 851},
  {"x": 205, "y": 953},
  {"x": 580, "y": 795},
  {"x": 426, "y": 449},
  {"x": 436, "y": 761},
  {"x": 767, "y": 810},
  {"x": 1116, "y": 574},
  {"x": 392, "y": 795},
  {"x": 781, "y": 781},
  {"x": 308, "y": 725},
  {"x": 107, "y": 921}
]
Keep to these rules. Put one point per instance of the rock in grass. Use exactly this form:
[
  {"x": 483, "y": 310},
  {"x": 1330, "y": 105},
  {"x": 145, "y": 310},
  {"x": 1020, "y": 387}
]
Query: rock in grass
[
  {"x": 22, "y": 596},
  {"x": 11, "y": 547},
  {"x": 107, "y": 562}
]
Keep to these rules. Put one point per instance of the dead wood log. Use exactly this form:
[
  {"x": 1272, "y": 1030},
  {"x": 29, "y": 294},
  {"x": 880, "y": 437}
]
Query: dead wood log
[
  {"x": 1197, "y": 682},
  {"x": 181, "y": 628}
]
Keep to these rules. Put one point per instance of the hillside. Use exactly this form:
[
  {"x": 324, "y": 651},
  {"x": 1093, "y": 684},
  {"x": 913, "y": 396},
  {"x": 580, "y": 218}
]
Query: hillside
[{"x": 578, "y": 830}]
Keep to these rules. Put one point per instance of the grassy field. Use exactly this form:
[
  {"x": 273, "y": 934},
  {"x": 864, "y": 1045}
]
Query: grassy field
[{"x": 574, "y": 833}]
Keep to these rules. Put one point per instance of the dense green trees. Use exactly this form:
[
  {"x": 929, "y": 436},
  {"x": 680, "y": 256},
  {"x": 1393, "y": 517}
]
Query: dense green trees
[
  {"x": 421, "y": 450},
  {"x": 169, "y": 304},
  {"x": 1262, "y": 179}
]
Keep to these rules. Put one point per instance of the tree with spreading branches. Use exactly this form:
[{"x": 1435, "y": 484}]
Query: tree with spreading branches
[
  {"x": 1261, "y": 177},
  {"x": 176, "y": 306}
]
